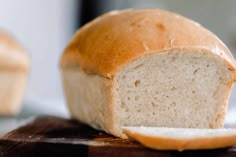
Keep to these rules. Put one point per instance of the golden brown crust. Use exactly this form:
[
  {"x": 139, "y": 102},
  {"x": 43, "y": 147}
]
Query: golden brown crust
[
  {"x": 12, "y": 55},
  {"x": 116, "y": 38},
  {"x": 162, "y": 143}
]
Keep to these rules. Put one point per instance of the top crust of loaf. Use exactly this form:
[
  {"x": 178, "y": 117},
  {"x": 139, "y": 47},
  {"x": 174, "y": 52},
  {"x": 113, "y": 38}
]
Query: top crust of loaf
[
  {"x": 114, "y": 39},
  {"x": 12, "y": 55}
]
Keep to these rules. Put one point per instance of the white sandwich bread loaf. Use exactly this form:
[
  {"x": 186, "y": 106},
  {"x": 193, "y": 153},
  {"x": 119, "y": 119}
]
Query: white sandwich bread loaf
[
  {"x": 147, "y": 67},
  {"x": 14, "y": 67}
]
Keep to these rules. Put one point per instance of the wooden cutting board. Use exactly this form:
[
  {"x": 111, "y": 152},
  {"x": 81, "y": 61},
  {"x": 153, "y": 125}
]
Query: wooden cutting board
[{"x": 53, "y": 136}]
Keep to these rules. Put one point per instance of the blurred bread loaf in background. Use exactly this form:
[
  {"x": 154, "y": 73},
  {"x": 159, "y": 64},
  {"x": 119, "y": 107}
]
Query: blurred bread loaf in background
[{"x": 14, "y": 69}]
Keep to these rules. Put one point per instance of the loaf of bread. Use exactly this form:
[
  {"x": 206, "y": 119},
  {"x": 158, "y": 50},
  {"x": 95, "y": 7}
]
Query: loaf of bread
[
  {"x": 14, "y": 67},
  {"x": 147, "y": 67}
]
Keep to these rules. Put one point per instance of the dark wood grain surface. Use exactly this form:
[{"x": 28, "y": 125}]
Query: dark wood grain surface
[{"x": 53, "y": 136}]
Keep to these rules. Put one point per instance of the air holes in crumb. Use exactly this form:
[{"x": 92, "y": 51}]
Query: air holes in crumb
[
  {"x": 137, "y": 83},
  {"x": 173, "y": 104},
  {"x": 138, "y": 110},
  {"x": 195, "y": 71},
  {"x": 138, "y": 66},
  {"x": 122, "y": 105},
  {"x": 128, "y": 98},
  {"x": 136, "y": 98},
  {"x": 173, "y": 58},
  {"x": 153, "y": 113},
  {"x": 123, "y": 77},
  {"x": 153, "y": 104},
  {"x": 193, "y": 91},
  {"x": 207, "y": 65}
]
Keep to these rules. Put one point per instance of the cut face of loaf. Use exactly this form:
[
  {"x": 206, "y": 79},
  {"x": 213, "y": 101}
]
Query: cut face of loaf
[{"x": 175, "y": 88}]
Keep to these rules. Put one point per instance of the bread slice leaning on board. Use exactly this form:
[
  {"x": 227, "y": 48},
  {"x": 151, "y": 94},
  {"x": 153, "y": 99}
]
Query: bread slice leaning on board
[
  {"x": 147, "y": 67},
  {"x": 14, "y": 69},
  {"x": 182, "y": 138}
]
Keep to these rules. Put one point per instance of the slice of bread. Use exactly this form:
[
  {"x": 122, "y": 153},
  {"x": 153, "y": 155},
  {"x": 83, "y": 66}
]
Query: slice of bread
[{"x": 162, "y": 138}]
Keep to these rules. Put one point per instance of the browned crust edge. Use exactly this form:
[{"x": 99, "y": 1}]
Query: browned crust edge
[{"x": 162, "y": 143}]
